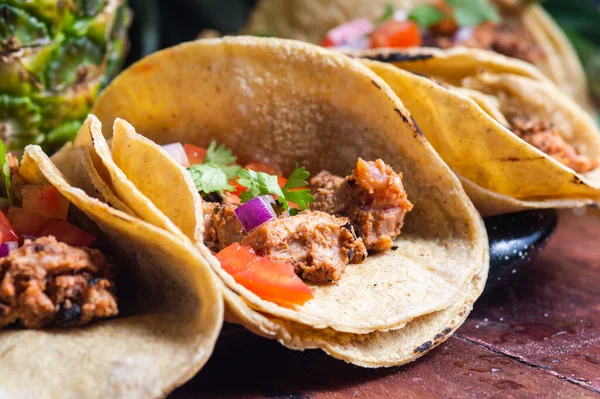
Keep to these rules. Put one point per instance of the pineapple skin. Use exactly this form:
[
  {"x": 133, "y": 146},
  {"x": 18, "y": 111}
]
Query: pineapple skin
[{"x": 55, "y": 56}]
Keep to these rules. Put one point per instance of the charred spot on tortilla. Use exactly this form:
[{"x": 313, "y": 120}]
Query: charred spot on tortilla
[
  {"x": 577, "y": 180},
  {"x": 423, "y": 347},
  {"x": 398, "y": 56},
  {"x": 416, "y": 125},
  {"x": 394, "y": 247},
  {"x": 446, "y": 330},
  {"x": 375, "y": 84},
  {"x": 404, "y": 118}
]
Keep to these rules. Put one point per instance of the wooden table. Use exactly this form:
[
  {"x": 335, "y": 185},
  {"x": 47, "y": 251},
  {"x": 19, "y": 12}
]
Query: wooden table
[{"x": 537, "y": 338}]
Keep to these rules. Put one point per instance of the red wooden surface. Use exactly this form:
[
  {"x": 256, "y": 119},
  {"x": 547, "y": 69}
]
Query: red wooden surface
[{"x": 540, "y": 337}]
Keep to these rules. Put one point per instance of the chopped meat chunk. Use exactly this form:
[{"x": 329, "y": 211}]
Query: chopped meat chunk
[
  {"x": 46, "y": 282},
  {"x": 543, "y": 136},
  {"x": 317, "y": 244},
  {"x": 17, "y": 181},
  {"x": 221, "y": 227},
  {"x": 504, "y": 38},
  {"x": 373, "y": 198}
]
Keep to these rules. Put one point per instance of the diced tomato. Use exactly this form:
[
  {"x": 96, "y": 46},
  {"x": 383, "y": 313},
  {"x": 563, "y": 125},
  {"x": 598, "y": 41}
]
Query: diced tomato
[
  {"x": 273, "y": 281},
  {"x": 26, "y": 222},
  {"x": 7, "y": 232},
  {"x": 65, "y": 232},
  {"x": 236, "y": 258},
  {"x": 276, "y": 282},
  {"x": 396, "y": 34},
  {"x": 258, "y": 166},
  {"x": 46, "y": 200},
  {"x": 348, "y": 32},
  {"x": 194, "y": 153}
]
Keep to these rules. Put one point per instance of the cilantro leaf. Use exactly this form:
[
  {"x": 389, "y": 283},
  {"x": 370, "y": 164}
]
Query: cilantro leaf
[
  {"x": 426, "y": 15},
  {"x": 388, "y": 13},
  {"x": 5, "y": 170},
  {"x": 210, "y": 178},
  {"x": 473, "y": 12},
  {"x": 219, "y": 155},
  {"x": 260, "y": 183}
]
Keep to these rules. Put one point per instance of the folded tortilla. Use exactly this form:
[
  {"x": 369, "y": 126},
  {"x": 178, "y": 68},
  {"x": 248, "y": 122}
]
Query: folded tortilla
[
  {"x": 288, "y": 102},
  {"x": 171, "y": 309},
  {"x": 309, "y": 20},
  {"x": 462, "y": 100}
]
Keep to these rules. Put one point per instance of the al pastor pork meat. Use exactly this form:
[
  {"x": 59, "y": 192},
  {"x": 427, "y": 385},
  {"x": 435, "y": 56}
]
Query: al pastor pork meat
[
  {"x": 545, "y": 137},
  {"x": 372, "y": 197},
  {"x": 46, "y": 282},
  {"x": 317, "y": 244}
]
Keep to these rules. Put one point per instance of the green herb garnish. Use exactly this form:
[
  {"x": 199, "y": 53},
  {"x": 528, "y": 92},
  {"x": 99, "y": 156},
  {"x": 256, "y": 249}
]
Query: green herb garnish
[
  {"x": 214, "y": 173},
  {"x": 388, "y": 13},
  {"x": 473, "y": 12},
  {"x": 260, "y": 183},
  {"x": 5, "y": 170},
  {"x": 426, "y": 15}
]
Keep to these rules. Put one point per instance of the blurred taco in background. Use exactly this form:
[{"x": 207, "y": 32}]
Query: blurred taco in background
[
  {"x": 516, "y": 141},
  {"x": 329, "y": 218},
  {"x": 110, "y": 308},
  {"x": 516, "y": 29}
]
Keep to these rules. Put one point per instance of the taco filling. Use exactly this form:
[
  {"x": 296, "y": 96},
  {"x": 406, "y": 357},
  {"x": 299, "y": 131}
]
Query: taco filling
[
  {"x": 274, "y": 233},
  {"x": 546, "y": 138},
  {"x": 444, "y": 24},
  {"x": 48, "y": 275}
]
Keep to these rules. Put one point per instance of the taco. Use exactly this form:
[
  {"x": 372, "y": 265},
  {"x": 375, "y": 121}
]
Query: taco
[
  {"x": 110, "y": 311},
  {"x": 299, "y": 192},
  {"x": 516, "y": 142},
  {"x": 516, "y": 29}
]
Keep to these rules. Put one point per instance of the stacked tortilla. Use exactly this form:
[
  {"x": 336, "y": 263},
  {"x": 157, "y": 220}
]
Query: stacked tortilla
[{"x": 296, "y": 103}]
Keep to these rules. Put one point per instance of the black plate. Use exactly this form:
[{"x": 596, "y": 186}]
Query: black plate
[{"x": 514, "y": 240}]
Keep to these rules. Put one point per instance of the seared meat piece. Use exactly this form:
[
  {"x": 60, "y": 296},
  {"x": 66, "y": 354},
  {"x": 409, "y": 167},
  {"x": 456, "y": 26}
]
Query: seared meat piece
[
  {"x": 373, "y": 198},
  {"x": 221, "y": 227},
  {"x": 318, "y": 244},
  {"x": 504, "y": 38},
  {"x": 46, "y": 282},
  {"x": 17, "y": 181},
  {"x": 543, "y": 136}
]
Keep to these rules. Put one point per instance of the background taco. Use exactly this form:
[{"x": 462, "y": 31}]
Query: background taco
[
  {"x": 169, "y": 309},
  {"x": 285, "y": 102},
  {"x": 515, "y": 140},
  {"x": 516, "y": 29}
]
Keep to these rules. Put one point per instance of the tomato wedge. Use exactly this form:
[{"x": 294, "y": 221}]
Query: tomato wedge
[
  {"x": 194, "y": 153},
  {"x": 65, "y": 232},
  {"x": 45, "y": 200},
  {"x": 273, "y": 281},
  {"x": 396, "y": 34},
  {"x": 25, "y": 222},
  {"x": 7, "y": 232}
]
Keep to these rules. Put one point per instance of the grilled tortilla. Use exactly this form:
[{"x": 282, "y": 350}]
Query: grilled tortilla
[
  {"x": 309, "y": 20},
  {"x": 170, "y": 313},
  {"x": 468, "y": 103},
  {"x": 288, "y": 102}
]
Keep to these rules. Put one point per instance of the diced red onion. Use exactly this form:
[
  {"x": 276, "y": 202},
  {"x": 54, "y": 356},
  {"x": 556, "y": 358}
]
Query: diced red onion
[
  {"x": 350, "y": 31},
  {"x": 254, "y": 213},
  {"x": 177, "y": 151},
  {"x": 463, "y": 34},
  {"x": 362, "y": 43},
  {"x": 6, "y": 247}
]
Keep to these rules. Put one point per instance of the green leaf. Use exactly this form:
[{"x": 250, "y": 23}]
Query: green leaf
[
  {"x": 473, "y": 12},
  {"x": 388, "y": 13},
  {"x": 297, "y": 178},
  {"x": 426, "y": 15},
  {"x": 210, "y": 178},
  {"x": 5, "y": 170},
  {"x": 219, "y": 155},
  {"x": 260, "y": 183}
]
